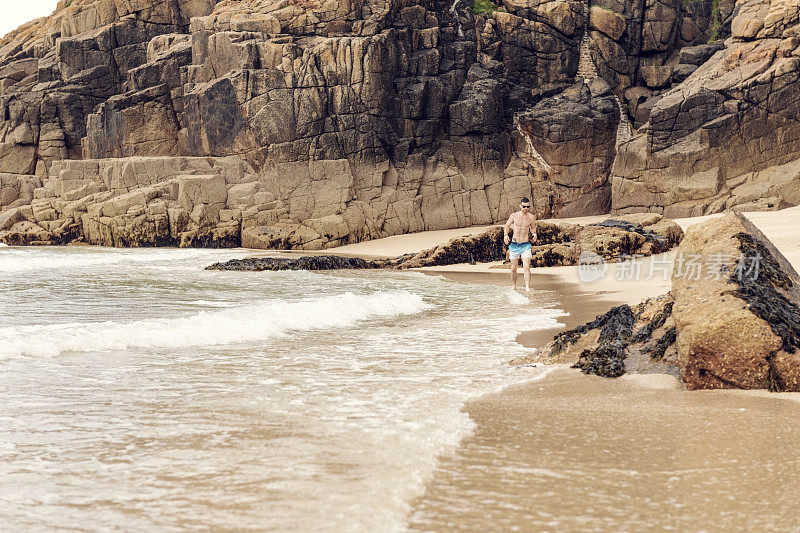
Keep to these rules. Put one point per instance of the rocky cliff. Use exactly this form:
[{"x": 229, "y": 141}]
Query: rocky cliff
[
  {"x": 727, "y": 136},
  {"x": 310, "y": 123}
]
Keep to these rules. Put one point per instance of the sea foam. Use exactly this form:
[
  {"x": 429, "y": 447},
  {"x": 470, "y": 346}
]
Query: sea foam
[
  {"x": 242, "y": 324},
  {"x": 516, "y": 298}
]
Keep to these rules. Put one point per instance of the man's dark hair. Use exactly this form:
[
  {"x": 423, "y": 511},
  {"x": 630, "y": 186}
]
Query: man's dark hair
[{"x": 525, "y": 201}]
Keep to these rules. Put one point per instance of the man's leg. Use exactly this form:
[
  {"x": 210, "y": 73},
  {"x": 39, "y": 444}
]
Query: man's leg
[
  {"x": 526, "y": 265},
  {"x": 514, "y": 261}
]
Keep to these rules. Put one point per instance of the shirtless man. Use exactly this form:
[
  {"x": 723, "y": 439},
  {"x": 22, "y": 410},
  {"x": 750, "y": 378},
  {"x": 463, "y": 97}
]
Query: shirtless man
[{"x": 524, "y": 222}]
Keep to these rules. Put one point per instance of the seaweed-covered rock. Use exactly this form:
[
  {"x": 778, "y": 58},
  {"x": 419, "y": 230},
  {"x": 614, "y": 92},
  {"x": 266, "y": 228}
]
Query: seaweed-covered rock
[
  {"x": 629, "y": 235},
  {"x": 737, "y": 319},
  {"x": 313, "y": 262},
  {"x": 559, "y": 254},
  {"x": 555, "y": 246},
  {"x": 607, "y": 358},
  {"x": 639, "y": 338},
  {"x": 610, "y": 242},
  {"x": 485, "y": 247},
  {"x": 552, "y": 233}
]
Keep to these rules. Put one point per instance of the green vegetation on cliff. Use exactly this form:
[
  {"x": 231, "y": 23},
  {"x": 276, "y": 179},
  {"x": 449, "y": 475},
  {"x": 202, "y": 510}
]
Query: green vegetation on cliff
[
  {"x": 714, "y": 26},
  {"x": 485, "y": 6}
]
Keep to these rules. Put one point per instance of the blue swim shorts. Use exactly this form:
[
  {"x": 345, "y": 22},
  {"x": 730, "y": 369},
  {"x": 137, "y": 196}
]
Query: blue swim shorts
[{"x": 519, "y": 249}]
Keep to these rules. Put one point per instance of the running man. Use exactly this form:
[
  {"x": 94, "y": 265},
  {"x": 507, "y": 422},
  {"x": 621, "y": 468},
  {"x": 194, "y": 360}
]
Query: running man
[{"x": 523, "y": 222}]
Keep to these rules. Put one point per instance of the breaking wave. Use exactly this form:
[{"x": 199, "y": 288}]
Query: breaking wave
[{"x": 243, "y": 324}]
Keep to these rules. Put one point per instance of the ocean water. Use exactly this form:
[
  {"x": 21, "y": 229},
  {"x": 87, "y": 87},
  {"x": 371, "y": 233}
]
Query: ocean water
[{"x": 140, "y": 391}]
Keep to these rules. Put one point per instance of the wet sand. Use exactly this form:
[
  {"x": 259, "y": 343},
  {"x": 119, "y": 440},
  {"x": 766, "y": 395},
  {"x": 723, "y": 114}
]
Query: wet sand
[{"x": 582, "y": 453}]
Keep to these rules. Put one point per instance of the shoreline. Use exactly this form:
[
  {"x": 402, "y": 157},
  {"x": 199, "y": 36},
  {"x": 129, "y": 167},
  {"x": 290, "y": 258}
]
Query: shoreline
[
  {"x": 526, "y": 427},
  {"x": 581, "y": 306},
  {"x": 585, "y": 300},
  {"x": 558, "y": 428},
  {"x": 577, "y": 452}
]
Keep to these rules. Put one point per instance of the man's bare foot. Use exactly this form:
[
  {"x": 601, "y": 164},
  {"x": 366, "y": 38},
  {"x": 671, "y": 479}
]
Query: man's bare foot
[{"x": 527, "y": 289}]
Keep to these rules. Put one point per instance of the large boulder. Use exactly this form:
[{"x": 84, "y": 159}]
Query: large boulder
[
  {"x": 630, "y": 236},
  {"x": 607, "y": 21},
  {"x": 736, "y": 309}
]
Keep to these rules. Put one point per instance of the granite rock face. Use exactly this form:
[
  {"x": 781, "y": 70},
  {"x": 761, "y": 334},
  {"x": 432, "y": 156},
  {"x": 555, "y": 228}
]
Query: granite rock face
[
  {"x": 575, "y": 132},
  {"x": 639, "y": 47},
  {"x": 367, "y": 118},
  {"x": 55, "y": 71},
  {"x": 360, "y": 119},
  {"x": 726, "y": 138},
  {"x": 139, "y": 202}
]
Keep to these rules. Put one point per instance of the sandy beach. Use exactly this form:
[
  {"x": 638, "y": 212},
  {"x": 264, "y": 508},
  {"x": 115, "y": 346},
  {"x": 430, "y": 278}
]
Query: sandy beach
[
  {"x": 142, "y": 389},
  {"x": 188, "y": 341},
  {"x": 583, "y": 301},
  {"x": 581, "y": 453}
]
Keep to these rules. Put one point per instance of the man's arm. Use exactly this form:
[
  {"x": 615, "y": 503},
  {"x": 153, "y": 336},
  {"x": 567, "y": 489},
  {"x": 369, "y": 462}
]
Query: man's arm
[
  {"x": 507, "y": 227},
  {"x": 533, "y": 230}
]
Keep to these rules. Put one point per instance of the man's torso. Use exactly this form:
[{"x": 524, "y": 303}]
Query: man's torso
[{"x": 522, "y": 226}]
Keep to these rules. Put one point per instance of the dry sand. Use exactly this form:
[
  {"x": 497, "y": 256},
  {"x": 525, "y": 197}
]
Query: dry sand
[{"x": 572, "y": 452}]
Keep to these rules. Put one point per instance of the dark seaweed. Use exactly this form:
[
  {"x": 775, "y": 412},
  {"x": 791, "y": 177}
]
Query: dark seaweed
[
  {"x": 774, "y": 381},
  {"x": 658, "y": 349},
  {"x": 608, "y": 360},
  {"x": 568, "y": 338},
  {"x": 615, "y": 333},
  {"x": 647, "y": 331},
  {"x": 769, "y": 269},
  {"x": 618, "y": 326},
  {"x": 635, "y": 228},
  {"x": 761, "y": 294}
]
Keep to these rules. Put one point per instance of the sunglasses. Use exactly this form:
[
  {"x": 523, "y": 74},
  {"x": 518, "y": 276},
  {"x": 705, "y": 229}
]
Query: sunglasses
[{"x": 525, "y": 206}]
